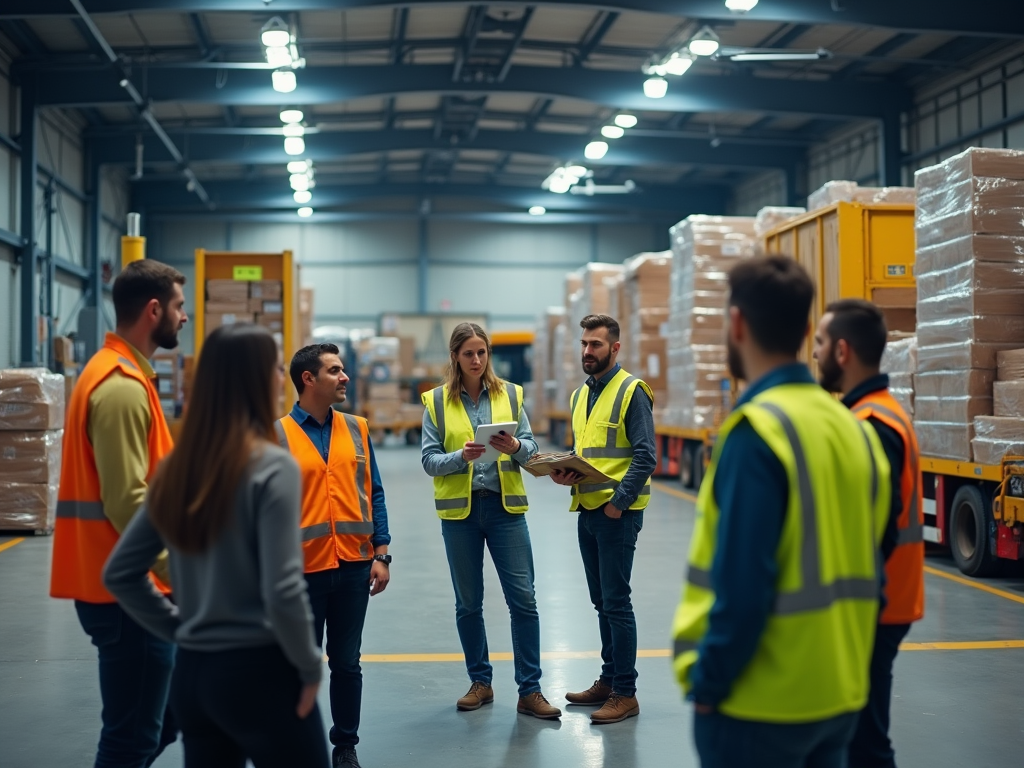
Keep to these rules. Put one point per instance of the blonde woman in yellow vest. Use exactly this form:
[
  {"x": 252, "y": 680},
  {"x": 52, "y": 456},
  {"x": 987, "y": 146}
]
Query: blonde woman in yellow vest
[
  {"x": 774, "y": 633},
  {"x": 483, "y": 503}
]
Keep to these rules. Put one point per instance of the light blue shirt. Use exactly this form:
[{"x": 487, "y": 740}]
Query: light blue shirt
[{"x": 437, "y": 462}]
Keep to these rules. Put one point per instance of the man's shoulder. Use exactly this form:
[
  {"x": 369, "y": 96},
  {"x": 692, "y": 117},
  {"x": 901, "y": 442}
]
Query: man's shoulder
[{"x": 119, "y": 391}]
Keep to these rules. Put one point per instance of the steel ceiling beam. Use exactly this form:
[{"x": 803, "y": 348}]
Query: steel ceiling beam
[
  {"x": 994, "y": 18},
  {"x": 618, "y": 90}
]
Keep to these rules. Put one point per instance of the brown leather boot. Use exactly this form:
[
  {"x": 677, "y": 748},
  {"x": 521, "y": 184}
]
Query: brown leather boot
[
  {"x": 478, "y": 695},
  {"x": 596, "y": 694},
  {"x": 616, "y": 709},
  {"x": 535, "y": 704}
]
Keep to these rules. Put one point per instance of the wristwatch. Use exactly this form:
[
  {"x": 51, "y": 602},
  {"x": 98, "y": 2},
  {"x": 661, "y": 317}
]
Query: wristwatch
[{"x": 386, "y": 559}]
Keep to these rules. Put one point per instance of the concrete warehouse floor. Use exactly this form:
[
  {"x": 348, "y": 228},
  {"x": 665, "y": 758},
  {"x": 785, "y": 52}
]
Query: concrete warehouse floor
[{"x": 953, "y": 707}]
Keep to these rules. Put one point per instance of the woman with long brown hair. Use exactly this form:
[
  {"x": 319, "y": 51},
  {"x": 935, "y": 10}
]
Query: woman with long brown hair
[
  {"x": 225, "y": 503},
  {"x": 483, "y": 503}
]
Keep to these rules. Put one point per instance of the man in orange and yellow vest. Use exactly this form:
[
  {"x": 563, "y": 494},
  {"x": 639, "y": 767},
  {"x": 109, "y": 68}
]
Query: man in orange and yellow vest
[
  {"x": 344, "y": 527},
  {"x": 849, "y": 344},
  {"x": 114, "y": 438}
]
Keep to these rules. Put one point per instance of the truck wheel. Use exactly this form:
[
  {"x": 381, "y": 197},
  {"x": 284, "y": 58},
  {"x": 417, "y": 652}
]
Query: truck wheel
[
  {"x": 686, "y": 466},
  {"x": 968, "y": 533}
]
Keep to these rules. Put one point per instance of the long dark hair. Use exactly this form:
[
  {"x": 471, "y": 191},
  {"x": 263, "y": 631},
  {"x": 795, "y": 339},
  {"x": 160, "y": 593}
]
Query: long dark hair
[{"x": 230, "y": 412}]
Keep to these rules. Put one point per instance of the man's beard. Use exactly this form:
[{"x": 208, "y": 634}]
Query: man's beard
[
  {"x": 597, "y": 364},
  {"x": 830, "y": 374},
  {"x": 735, "y": 361},
  {"x": 165, "y": 336}
]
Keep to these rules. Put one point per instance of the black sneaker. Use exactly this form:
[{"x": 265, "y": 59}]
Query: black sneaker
[{"x": 345, "y": 757}]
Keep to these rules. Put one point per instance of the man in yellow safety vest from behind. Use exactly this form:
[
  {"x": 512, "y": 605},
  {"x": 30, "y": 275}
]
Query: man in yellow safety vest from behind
[{"x": 774, "y": 634}]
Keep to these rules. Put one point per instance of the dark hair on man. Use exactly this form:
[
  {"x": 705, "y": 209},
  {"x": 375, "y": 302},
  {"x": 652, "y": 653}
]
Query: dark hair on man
[
  {"x": 774, "y": 293},
  {"x": 138, "y": 284},
  {"x": 862, "y": 325},
  {"x": 592, "y": 322},
  {"x": 308, "y": 359}
]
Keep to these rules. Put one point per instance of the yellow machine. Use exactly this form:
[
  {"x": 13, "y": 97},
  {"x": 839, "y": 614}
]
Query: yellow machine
[{"x": 133, "y": 245}]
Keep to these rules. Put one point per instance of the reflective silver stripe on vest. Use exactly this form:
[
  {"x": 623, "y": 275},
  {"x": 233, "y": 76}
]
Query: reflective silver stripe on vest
[
  {"x": 607, "y": 453},
  {"x": 617, "y": 411},
  {"x": 128, "y": 362},
  {"x": 316, "y": 531},
  {"x": 515, "y": 501},
  {"x": 575, "y": 399},
  {"x": 609, "y": 486},
  {"x": 439, "y": 412},
  {"x": 699, "y": 577},
  {"x": 364, "y": 528},
  {"x": 443, "y": 504},
  {"x": 513, "y": 400},
  {"x": 679, "y": 647},
  {"x": 814, "y": 595},
  {"x": 506, "y": 466},
  {"x": 81, "y": 510},
  {"x": 282, "y": 437},
  {"x": 361, "y": 470}
]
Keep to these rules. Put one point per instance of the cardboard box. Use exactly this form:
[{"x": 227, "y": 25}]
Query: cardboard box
[
  {"x": 981, "y": 329},
  {"x": 227, "y": 291},
  {"x": 31, "y": 457},
  {"x": 1010, "y": 365},
  {"x": 959, "y": 357},
  {"x": 271, "y": 290},
  {"x": 70, "y": 381},
  {"x": 28, "y": 506},
  {"x": 213, "y": 322},
  {"x": 1008, "y": 399},
  {"x": 406, "y": 354},
  {"x": 945, "y": 440},
  {"x": 384, "y": 391},
  {"x": 969, "y": 383},
  {"x": 274, "y": 323},
  {"x": 32, "y": 416},
  {"x": 30, "y": 385},
  {"x": 951, "y": 409},
  {"x": 228, "y": 307},
  {"x": 63, "y": 350}
]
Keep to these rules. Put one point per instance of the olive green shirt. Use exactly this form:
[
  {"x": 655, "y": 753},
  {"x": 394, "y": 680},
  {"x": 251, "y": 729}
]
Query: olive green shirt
[{"x": 118, "y": 428}]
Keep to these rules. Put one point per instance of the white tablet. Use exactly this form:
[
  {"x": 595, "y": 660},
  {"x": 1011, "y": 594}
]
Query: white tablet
[{"x": 485, "y": 432}]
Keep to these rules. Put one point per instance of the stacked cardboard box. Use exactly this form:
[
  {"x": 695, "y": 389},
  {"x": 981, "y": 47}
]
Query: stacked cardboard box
[
  {"x": 169, "y": 367},
  {"x": 619, "y": 304},
  {"x": 242, "y": 301},
  {"x": 31, "y": 430},
  {"x": 704, "y": 249},
  {"x": 850, "y": 192},
  {"x": 646, "y": 282},
  {"x": 305, "y": 317},
  {"x": 900, "y": 361},
  {"x": 540, "y": 394},
  {"x": 970, "y": 282},
  {"x": 772, "y": 216},
  {"x": 1002, "y": 434},
  {"x": 380, "y": 395},
  {"x": 565, "y": 347}
]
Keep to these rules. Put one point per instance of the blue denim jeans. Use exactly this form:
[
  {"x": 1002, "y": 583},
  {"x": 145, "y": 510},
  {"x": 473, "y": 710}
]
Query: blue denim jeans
[
  {"x": 607, "y": 547},
  {"x": 508, "y": 540},
  {"x": 725, "y": 742},
  {"x": 339, "y": 598},
  {"x": 135, "y": 681}
]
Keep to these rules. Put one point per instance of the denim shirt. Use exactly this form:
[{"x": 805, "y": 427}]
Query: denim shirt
[
  {"x": 437, "y": 462},
  {"x": 320, "y": 435}
]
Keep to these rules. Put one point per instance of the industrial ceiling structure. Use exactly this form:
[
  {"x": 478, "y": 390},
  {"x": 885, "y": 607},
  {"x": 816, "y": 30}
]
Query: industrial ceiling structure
[{"x": 588, "y": 111}]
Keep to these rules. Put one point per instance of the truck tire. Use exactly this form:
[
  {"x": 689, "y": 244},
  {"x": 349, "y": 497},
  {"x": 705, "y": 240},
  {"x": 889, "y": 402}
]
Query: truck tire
[
  {"x": 686, "y": 466},
  {"x": 968, "y": 533}
]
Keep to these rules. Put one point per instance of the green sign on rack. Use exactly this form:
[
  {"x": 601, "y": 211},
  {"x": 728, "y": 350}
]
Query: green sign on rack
[{"x": 248, "y": 273}]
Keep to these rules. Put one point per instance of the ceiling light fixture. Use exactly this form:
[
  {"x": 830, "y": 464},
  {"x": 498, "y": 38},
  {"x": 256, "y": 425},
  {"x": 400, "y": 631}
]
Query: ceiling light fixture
[
  {"x": 291, "y": 115},
  {"x": 612, "y": 132},
  {"x": 294, "y": 145},
  {"x": 655, "y": 87},
  {"x": 283, "y": 80},
  {"x": 595, "y": 150},
  {"x": 305, "y": 212},
  {"x": 279, "y": 57},
  {"x": 298, "y": 166},
  {"x": 294, "y": 129},
  {"x": 299, "y": 181},
  {"x": 780, "y": 55},
  {"x": 538, "y": 210},
  {"x": 302, "y": 196},
  {"x": 740, "y": 6},
  {"x": 275, "y": 33},
  {"x": 677, "y": 64},
  {"x": 562, "y": 179},
  {"x": 626, "y": 121},
  {"x": 704, "y": 43},
  {"x": 576, "y": 171}
]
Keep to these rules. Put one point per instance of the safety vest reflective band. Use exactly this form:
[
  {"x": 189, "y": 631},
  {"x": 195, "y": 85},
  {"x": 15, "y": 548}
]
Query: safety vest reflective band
[
  {"x": 601, "y": 440},
  {"x": 453, "y": 493},
  {"x": 904, "y": 571},
  {"x": 812, "y": 658},
  {"x": 337, "y": 516},
  {"x": 83, "y": 536}
]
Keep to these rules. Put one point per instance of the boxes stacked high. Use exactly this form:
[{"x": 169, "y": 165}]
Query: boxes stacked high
[
  {"x": 644, "y": 353},
  {"x": 970, "y": 306},
  {"x": 245, "y": 301},
  {"x": 592, "y": 298},
  {"x": 540, "y": 396},
  {"x": 565, "y": 347},
  {"x": 31, "y": 431},
  {"x": 169, "y": 367},
  {"x": 1002, "y": 433},
  {"x": 850, "y": 192},
  {"x": 899, "y": 361},
  {"x": 379, "y": 373},
  {"x": 704, "y": 249},
  {"x": 619, "y": 304},
  {"x": 305, "y": 316}
]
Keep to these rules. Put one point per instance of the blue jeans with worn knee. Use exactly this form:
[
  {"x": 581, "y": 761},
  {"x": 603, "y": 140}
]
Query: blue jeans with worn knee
[{"x": 508, "y": 540}]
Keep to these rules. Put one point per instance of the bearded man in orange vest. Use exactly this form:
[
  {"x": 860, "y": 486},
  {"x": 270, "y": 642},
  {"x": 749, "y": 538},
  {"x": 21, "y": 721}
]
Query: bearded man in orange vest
[
  {"x": 114, "y": 438},
  {"x": 848, "y": 346},
  {"x": 344, "y": 527}
]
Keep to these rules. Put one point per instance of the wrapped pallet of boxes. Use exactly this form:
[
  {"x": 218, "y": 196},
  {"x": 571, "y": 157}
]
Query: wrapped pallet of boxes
[
  {"x": 772, "y": 216},
  {"x": 899, "y": 361},
  {"x": 31, "y": 431},
  {"x": 851, "y": 192},
  {"x": 970, "y": 284},
  {"x": 704, "y": 249},
  {"x": 618, "y": 304},
  {"x": 566, "y": 349},
  {"x": 1002, "y": 434},
  {"x": 646, "y": 282}
]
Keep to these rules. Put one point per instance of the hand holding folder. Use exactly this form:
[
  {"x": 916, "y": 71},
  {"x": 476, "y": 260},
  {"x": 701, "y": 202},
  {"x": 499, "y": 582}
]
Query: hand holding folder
[{"x": 543, "y": 464}]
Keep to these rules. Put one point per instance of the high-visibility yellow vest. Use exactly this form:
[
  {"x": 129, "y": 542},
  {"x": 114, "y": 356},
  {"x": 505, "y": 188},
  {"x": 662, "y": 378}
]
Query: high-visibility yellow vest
[
  {"x": 601, "y": 440},
  {"x": 452, "y": 493},
  {"x": 812, "y": 659}
]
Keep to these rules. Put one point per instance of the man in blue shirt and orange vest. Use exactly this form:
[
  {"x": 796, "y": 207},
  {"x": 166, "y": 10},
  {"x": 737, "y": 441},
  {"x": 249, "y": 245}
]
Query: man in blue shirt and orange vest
[
  {"x": 848, "y": 346},
  {"x": 344, "y": 527}
]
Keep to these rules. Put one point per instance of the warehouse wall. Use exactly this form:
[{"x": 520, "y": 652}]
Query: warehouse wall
[{"x": 359, "y": 270}]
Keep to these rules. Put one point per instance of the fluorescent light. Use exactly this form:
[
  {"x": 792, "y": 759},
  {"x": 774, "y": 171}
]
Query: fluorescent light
[
  {"x": 576, "y": 171},
  {"x": 294, "y": 145},
  {"x": 612, "y": 132},
  {"x": 740, "y": 6},
  {"x": 283, "y": 80},
  {"x": 626, "y": 121},
  {"x": 302, "y": 196},
  {"x": 677, "y": 65},
  {"x": 779, "y": 56},
  {"x": 298, "y": 166},
  {"x": 704, "y": 43},
  {"x": 538, "y": 210},
  {"x": 299, "y": 181},
  {"x": 655, "y": 87},
  {"x": 305, "y": 212},
  {"x": 275, "y": 33},
  {"x": 595, "y": 150},
  {"x": 291, "y": 115},
  {"x": 559, "y": 185},
  {"x": 279, "y": 57},
  {"x": 293, "y": 129}
]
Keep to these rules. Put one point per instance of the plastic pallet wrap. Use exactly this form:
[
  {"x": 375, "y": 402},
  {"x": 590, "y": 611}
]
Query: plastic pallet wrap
[
  {"x": 996, "y": 437},
  {"x": 31, "y": 399},
  {"x": 994, "y": 249},
  {"x": 850, "y": 192},
  {"x": 972, "y": 288},
  {"x": 1008, "y": 399},
  {"x": 645, "y": 290},
  {"x": 944, "y": 440},
  {"x": 900, "y": 356},
  {"x": 31, "y": 457},
  {"x": 771, "y": 216},
  {"x": 28, "y": 506}
]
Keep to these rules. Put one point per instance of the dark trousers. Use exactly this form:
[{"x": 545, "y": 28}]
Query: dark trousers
[
  {"x": 135, "y": 677},
  {"x": 339, "y": 598},
  {"x": 725, "y": 742},
  {"x": 607, "y": 547},
  {"x": 871, "y": 747},
  {"x": 240, "y": 704}
]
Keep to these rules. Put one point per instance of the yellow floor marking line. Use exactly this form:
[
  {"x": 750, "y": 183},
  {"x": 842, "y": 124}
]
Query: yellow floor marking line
[
  {"x": 976, "y": 645},
  {"x": 11, "y": 543},
  {"x": 674, "y": 491},
  {"x": 975, "y": 584}
]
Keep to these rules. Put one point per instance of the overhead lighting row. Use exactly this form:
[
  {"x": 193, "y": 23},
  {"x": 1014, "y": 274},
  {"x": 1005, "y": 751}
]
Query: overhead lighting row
[
  {"x": 282, "y": 53},
  {"x": 705, "y": 43},
  {"x": 300, "y": 172},
  {"x": 563, "y": 179}
]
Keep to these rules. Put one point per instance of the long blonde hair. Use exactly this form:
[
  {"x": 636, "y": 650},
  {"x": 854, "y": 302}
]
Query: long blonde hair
[{"x": 462, "y": 333}]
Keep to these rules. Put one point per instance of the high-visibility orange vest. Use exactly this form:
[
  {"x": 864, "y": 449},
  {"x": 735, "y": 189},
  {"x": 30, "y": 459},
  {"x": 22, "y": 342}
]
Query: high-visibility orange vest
[
  {"x": 904, "y": 572},
  {"x": 337, "y": 514},
  {"x": 83, "y": 536}
]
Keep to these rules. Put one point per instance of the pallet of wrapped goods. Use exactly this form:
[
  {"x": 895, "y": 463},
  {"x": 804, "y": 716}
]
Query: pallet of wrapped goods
[
  {"x": 31, "y": 457},
  {"x": 596, "y": 296},
  {"x": 646, "y": 282},
  {"x": 771, "y": 216},
  {"x": 1010, "y": 365},
  {"x": 31, "y": 399},
  {"x": 28, "y": 506},
  {"x": 1008, "y": 399},
  {"x": 899, "y": 361},
  {"x": 996, "y": 437},
  {"x": 850, "y": 192}
]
